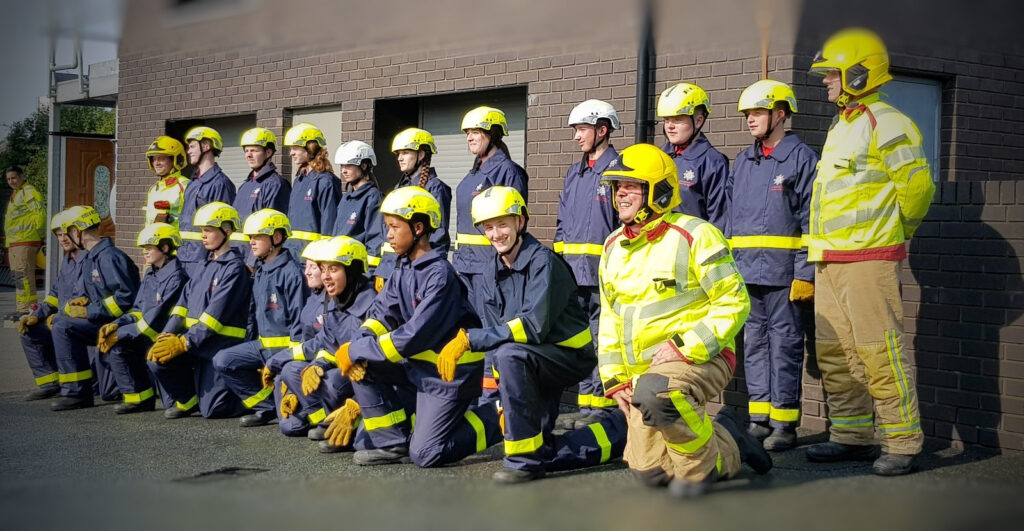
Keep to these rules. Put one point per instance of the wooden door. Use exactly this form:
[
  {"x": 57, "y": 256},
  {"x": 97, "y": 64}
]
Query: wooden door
[{"x": 89, "y": 176}]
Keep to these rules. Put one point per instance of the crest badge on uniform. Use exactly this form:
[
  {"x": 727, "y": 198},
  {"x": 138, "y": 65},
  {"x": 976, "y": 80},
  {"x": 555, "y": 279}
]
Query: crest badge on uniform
[
  {"x": 777, "y": 183},
  {"x": 354, "y": 215},
  {"x": 689, "y": 176},
  {"x": 215, "y": 282},
  {"x": 320, "y": 319},
  {"x": 273, "y": 298},
  {"x": 96, "y": 276},
  {"x": 159, "y": 297},
  {"x": 779, "y": 179}
]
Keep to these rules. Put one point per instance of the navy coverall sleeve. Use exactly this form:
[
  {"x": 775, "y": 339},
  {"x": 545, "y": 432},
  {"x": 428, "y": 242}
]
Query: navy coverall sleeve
[
  {"x": 545, "y": 299},
  {"x": 155, "y": 315},
  {"x": 802, "y": 198},
  {"x": 716, "y": 194},
  {"x": 120, "y": 283},
  {"x": 230, "y": 297},
  {"x": 443, "y": 194},
  {"x": 328, "y": 193}
]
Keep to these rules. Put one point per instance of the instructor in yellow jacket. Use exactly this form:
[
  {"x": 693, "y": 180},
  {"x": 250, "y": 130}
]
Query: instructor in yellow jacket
[
  {"x": 24, "y": 229},
  {"x": 873, "y": 189},
  {"x": 672, "y": 302}
]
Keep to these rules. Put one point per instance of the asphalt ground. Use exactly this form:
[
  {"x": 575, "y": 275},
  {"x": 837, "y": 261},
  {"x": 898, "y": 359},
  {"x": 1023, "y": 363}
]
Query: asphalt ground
[{"x": 92, "y": 469}]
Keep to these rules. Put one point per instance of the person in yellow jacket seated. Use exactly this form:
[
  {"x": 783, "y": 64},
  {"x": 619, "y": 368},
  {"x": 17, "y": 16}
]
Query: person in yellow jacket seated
[
  {"x": 672, "y": 302},
  {"x": 872, "y": 191}
]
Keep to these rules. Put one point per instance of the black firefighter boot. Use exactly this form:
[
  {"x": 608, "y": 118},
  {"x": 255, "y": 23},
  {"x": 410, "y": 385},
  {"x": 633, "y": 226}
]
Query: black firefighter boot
[{"x": 751, "y": 450}]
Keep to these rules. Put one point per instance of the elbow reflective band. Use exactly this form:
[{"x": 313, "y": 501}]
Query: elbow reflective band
[
  {"x": 191, "y": 235},
  {"x": 192, "y": 402},
  {"x": 134, "y": 398},
  {"x": 324, "y": 355},
  {"x": 384, "y": 421},
  {"x": 766, "y": 242},
  {"x": 190, "y": 322},
  {"x": 388, "y": 347},
  {"x": 216, "y": 326},
  {"x": 701, "y": 428},
  {"x": 49, "y": 378},
  {"x": 603, "y": 443},
  {"x": 430, "y": 356},
  {"x": 258, "y": 397},
  {"x": 306, "y": 235},
  {"x": 143, "y": 327},
  {"x": 594, "y": 249},
  {"x": 524, "y": 446},
  {"x": 472, "y": 239},
  {"x": 74, "y": 376},
  {"x": 297, "y": 353},
  {"x": 275, "y": 342},
  {"x": 518, "y": 330},
  {"x": 374, "y": 326},
  {"x": 180, "y": 311},
  {"x": 600, "y": 402},
  {"x": 51, "y": 300},
  {"x": 136, "y": 314},
  {"x": 373, "y": 261},
  {"x": 478, "y": 427},
  {"x": 579, "y": 340}
]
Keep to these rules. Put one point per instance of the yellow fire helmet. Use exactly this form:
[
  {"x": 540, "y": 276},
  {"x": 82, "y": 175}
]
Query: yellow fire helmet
[
  {"x": 410, "y": 200},
  {"x": 682, "y": 99},
  {"x": 498, "y": 201},
  {"x": 765, "y": 94},
  {"x": 860, "y": 57},
  {"x": 266, "y": 221},
  {"x": 309, "y": 252},
  {"x": 165, "y": 145},
  {"x": 649, "y": 165},
  {"x": 216, "y": 213},
  {"x": 485, "y": 118},
  {"x": 341, "y": 249},
  {"x": 80, "y": 217},
  {"x": 57, "y": 222},
  {"x": 301, "y": 134},
  {"x": 413, "y": 138},
  {"x": 205, "y": 133},
  {"x": 154, "y": 233},
  {"x": 259, "y": 136}
]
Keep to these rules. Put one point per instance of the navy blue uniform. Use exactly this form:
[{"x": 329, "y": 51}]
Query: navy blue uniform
[
  {"x": 421, "y": 308},
  {"x": 110, "y": 280},
  {"x": 202, "y": 189},
  {"x": 541, "y": 342},
  {"x": 586, "y": 217},
  {"x": 138, "y": 329},
  {"x": 38, "y": 342},
  {"x": 703, "y": 173},
  {"x": 212, "y": 312},
  {"x": 472, "y": 249},
  {"x": 278, "y": 294},
  {"x": 768, "y": 214},
  {"x": 263, "y": 189},
  {"x": 312, "y": 208},
  {"x": 439, "y": 238},
  {"x": 359, "y": 218}
]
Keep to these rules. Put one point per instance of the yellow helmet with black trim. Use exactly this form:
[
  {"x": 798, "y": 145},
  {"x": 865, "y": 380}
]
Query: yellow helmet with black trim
[
  {"x": 216, "y": 214},
  {"x": 408, "y": 201},
  {"x": 413, "y": 138},
  {"x": 341, "y": 249},
  {"x": 165, "y": 145},
  {"x": 57, "y": 221},
  {"x": 650, "y": 166},
  {"x": 682, "y": 99},
  {"x": 80, "y": 217},
  {"x": 485, "y": 118},
  {"x": 154, "y": 233},
  {"x": 201, "y": 133},
  {"x": 498, "y": 201},
  {"x": 765, "y": 94},
  {"x": 301, "y": 134},
  {"x": 259, "y": 136},
  {"x": 266, "y": 221},
  {"x": 860, "y": 57}
]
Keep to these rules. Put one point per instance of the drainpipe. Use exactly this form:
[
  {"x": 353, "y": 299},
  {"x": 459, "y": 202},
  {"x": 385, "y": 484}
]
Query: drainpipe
[{"x": 644, "y": 55}]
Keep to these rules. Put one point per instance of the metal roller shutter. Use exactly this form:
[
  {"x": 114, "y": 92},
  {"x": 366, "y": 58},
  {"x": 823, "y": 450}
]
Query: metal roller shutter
[
  {"x": 232, "y": 158},
  {"x": 328, "y": 119}
]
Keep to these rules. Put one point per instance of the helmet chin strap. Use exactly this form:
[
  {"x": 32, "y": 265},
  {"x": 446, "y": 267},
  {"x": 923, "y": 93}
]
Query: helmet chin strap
[{"x": 415, "y": 241}]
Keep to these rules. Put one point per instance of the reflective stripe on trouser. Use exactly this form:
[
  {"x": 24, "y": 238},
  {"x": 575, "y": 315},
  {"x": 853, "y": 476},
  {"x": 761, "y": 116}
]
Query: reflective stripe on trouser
[
  {"x": 23, "y": 271},
  {"x": 380, "y": 399},
  {"x": 191, "y": 379},
  {"x": 71, "y": 339},
  {"x": 591, "y": 389},
  {"x": 773, "y": 356},
  {"x": 669, "y": 427},
  {"x": 859, "y": 343},
  {"x": 127, "y": 361},
  {"x": 239, "y": 367},
  {"x": 532, "y": 377},
  {"x": 38, "y": 347}
]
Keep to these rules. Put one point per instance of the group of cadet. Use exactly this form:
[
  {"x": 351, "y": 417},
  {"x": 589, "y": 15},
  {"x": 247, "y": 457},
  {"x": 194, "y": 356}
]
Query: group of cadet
[{"x": 334, "y": 309}]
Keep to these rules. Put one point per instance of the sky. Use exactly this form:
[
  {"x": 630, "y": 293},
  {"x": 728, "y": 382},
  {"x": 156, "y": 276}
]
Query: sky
[{"x": 25, "y": 46}]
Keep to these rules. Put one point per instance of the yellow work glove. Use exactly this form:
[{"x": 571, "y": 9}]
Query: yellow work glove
[
  {"x": 355, "y": 371},
  {"x": 311, "y": 377},
  {"x": 76, "y": 311},
  {"x": 49, "y": 321},
  {"x": 342, "y": 423},
  {"x": 289, "y": 403},
  {"x": 378, "y": 283},
  {"x": 25, "y": 322},
  {"x": 80, "y": 301},
  {"x": 451, "y": 353},
  {"x": 266, "y": 377},
  {"x": 167, "y": 347},
  {"x": 107, "y": 337},
  {"x": 801, "y": 291}
]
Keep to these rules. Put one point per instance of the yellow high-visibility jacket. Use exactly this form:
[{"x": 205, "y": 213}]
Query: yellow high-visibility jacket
[
  {"x": 675, "y": 281},
  {"x": 25, "y": 219},
  {"x": 873, "y": 188},
  {"x": 164, "y": 199}
]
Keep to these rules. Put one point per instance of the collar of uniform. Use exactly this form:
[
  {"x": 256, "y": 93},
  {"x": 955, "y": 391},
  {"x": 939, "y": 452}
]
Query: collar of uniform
[
  {"x": 648, "y": 233},
  {"x": 264, "y": 172},
  {"x": 429, "y": 257},
  {"x": 696, "y": 148},
  {"x": 103, "y": 244},
  {"x": 856, "y": 107},
  {"x": 496, "y": 159},
  {"x": 210, "y": 173},
  {"x": 605, "y": 159},
  {"x": 362, "y": 190},
  {"x": 781, "y": 151},
  {"x": 407, "y": 179},
  {"x": 172, "y": 179},
  {"x": 364, "y": 299},
  {"x": 229, "y": 255},
  {"x": 529, "y": 248},
  {"x": 170, "y": 268},
  {"x": 282, "y": 259}
]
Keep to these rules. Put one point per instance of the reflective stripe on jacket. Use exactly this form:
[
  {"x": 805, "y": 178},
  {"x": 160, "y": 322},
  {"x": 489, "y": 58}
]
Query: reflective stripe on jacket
[
  {"x": 165, "y": 199},
  {"x": 472, "y": 250},
  {"x": 109, "y": 280},
  {"x": 25, "y": 218},
  {"x": 158, "y": 293}
]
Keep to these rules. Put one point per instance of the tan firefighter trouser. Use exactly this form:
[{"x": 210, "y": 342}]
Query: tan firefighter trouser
[
  {"x": 858, "y": 315},
  {"x": 670, "y": 433},
  {"x": 23, "y": 272}
]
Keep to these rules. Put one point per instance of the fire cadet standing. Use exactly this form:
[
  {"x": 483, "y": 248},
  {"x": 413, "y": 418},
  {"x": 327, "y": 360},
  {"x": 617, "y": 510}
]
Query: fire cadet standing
[
  {"x": 209, "y": 184},
  {"x": 672, "y": 302},
  {"x": 414, "y": 149},
  {"x": 422, "y": 307},
  {"x": 210, "y": 316},
  {"x": 702, "y": 170},
  {"x": 35, "y": 328},
  {"x": 126, "y": 340},
  {"x": 585, "y": 218},
  {"x": 165, "y": 198},
  {"x": 105, "y": 290},
  {"x": 315, "y": 190},
  {"x": 263, "y": 187},
  {"x": 278, "y": 295},
  {"x": 770, "y": 195},
  {"x": 541, "y": 343},
  {"x": 873, "y": 189},
  {"x": 359, "y": 208}
]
